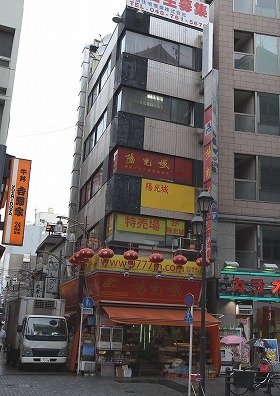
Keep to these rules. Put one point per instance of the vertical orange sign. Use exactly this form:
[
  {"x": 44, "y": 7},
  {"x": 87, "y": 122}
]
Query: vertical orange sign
[{"x": 16, "y": 204}]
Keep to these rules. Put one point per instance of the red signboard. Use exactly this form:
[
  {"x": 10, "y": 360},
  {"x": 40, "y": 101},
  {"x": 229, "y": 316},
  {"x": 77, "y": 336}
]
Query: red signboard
[
  {"x": 117, "y": 287},
  {"x": 152, "y": 165}
]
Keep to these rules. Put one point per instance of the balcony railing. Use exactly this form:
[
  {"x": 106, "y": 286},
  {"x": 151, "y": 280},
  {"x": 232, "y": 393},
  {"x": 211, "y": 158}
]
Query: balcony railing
[
  {"x": 245, "y": 189},
  {"x": 245, "y": 122},
  {"x": 243, "y": 61}
]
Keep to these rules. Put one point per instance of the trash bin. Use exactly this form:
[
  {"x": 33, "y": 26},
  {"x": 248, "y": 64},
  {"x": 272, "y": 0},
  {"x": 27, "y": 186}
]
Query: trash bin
[{"x": 243, "y": 379}]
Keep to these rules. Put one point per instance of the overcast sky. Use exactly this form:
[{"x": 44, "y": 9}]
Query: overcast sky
[{"x": 45, "y": 98}]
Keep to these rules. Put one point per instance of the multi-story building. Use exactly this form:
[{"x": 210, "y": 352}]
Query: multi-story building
[
  {"x": 10, "y": 26},
  {"x": 137, "y": 169},
  {"x": 147, "y": 93}
]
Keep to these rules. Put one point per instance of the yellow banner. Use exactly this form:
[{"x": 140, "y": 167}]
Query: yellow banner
[
  {"x": 167, "y": 196},
  {"x": 175, "y": 227},
  {"x": 143, "y": 265},
  {"x": 141, "y": 224}
]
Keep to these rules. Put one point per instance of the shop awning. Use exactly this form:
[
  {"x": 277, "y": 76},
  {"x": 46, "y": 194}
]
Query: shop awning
[{"x": 156, "y": 316}]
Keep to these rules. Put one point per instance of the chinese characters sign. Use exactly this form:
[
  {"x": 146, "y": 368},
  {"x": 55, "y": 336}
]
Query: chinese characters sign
[
  {"x": 153, "y": 165},
  {"x": 141, "y": 288},
  {"x": 150, "y": 225},
  {"x": 188, "y": 12},
  {"x": 17, "y": 202},
  {"x": 167, "y": 196},
  {"x": 253, "y": 287}
]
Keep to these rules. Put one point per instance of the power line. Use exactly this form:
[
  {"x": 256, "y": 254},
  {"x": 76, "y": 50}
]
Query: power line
[{"x": 41, "y": 133}]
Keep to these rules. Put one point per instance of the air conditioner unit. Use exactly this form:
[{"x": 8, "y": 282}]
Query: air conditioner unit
[{"x": 244, "y": 309}]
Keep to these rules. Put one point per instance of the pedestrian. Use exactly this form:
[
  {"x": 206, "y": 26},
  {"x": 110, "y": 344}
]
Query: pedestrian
[
  {"x": 236, "y": 357},
  {"x": 2, "y": 337}
]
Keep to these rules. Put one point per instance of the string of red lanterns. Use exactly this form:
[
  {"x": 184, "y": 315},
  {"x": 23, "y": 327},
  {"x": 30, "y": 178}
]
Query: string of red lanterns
[{"x": 80, "y": 258}]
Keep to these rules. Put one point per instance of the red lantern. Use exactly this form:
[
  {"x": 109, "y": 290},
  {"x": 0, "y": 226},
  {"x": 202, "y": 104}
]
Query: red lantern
[
  {"x": 179, "y": 260},
  {"x": 86, "y": 253},
  {"x": 78, "y": 257},
  {"x": 199, "y": 262},
  {"x": 131, "y": 255},
  {"x": 156, "y": 258},
  {"x": 106, "y": 253}
]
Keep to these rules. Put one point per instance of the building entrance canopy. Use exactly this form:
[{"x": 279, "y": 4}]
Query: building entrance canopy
[{"x": 155, "y": 316}]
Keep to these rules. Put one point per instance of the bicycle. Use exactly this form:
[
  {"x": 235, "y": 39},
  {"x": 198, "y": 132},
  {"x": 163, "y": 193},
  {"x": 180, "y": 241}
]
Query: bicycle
[
  {"x": 244, "y": 381},
  {"x": 196, "y": 380}
]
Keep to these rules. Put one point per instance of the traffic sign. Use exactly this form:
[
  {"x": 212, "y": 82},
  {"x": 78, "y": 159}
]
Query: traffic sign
[
  {"x": 189, "y": 300},
  {"x": 87, "y": 311},
  {"x": 188, "y": 317},
  {"x": 88, "y": 302}
]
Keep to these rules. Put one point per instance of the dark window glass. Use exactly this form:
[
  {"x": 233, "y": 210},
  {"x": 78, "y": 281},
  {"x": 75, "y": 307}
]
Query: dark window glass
[
  {"x": 1, "y": 112},
  {"x": 159, "y": 50},
  {"x": 187, "y": 57},
  {"x": 181, "y": 112},
  {"x": 92, "y": 96},
  {"x": 105, "y": 74},
  {"x": 269, "y": 171},
  {"x": 146, "y": 103},
  {"x": 271, "y": 243},
  {"x": 101, "y": 126},
  {"x": 153, "y": 105},
  {"x": 267, "y": 54},
  {"x": 6, "y": 43},
  {"x": 268, "y": 113}
]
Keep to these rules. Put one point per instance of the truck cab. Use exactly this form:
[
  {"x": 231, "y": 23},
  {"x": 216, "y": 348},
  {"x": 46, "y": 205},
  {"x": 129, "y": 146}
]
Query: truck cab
[{"x": 42, "y": 339}]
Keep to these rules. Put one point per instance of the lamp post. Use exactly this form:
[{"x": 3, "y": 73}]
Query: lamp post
[{"x": 198, "y": 223}]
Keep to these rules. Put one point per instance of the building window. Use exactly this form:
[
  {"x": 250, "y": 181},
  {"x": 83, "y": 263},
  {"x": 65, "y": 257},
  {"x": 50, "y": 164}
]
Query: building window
[
  {"x": 256, "y": 52},
  {"x": 1, "y": 111},
  {"x": 270, "y": 237},
  {"x": 6, "y": 45},
  {"x": 95, "y": 134},
  {"x": 245, "y": 177},
  {"x": 153, "y": 105},
  {"x": 269, "y": 179},
  {"x": 244, "y": 110},
  {"x": 99, "y": 85},
  {"x": 268, "y": 8},
  {"x": 91, "y": 187},
  {"x": 159, "y": 50},
  {"x": 268, "y": 113},
  {"x": 267, "y": 54}
]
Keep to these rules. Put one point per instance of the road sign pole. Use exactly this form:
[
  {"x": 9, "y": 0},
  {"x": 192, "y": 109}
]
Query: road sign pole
[
  {"x": 80, "y": 341},
  {"x": 190, "y": 353}
]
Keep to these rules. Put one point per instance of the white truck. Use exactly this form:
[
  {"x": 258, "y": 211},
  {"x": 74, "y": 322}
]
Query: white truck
[{"x": 36, "y": 331}]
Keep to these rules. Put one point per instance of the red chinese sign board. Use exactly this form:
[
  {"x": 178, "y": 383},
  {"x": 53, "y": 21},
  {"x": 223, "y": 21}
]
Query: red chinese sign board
[
  {"x": 188, "y": 12},
  {"x": 69, "y": 292},
  {"x": 115, "y": 287},
  {"x": 157, "y": 166}
]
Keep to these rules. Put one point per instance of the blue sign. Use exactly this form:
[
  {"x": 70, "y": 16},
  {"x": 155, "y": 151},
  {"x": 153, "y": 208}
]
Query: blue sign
[
  {"x": 189, "y": 300},
  {"x": 88, "y": 302},
  {"x": 188, "y": 317}
]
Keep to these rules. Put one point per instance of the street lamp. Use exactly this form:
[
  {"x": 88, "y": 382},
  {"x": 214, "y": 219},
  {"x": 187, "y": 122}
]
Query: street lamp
[{"x": 198, "y": 224}]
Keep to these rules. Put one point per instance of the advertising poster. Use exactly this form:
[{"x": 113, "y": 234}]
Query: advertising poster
[{"x": 272, "y": 352}]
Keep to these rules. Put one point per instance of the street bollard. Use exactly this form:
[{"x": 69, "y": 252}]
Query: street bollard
[{"x": 227, "y": 382}]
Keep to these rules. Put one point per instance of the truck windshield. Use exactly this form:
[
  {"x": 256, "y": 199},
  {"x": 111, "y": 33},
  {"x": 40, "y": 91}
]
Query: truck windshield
[{"x": 46, "y": 329}]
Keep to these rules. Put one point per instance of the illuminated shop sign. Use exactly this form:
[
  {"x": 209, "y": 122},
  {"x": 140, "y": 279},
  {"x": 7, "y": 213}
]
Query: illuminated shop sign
[
  {"x": 256, "y": 286},
  {"x": 188, "y": 12}
]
